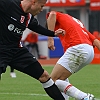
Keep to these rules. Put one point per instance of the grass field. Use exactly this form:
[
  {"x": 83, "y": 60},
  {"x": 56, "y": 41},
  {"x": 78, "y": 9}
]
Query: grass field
[{"x": 25, "y": 88}]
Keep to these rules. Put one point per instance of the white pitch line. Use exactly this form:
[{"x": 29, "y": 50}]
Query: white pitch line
[
  {"x": 30, "y": 94},
  {"x": 25, "y": 94}
]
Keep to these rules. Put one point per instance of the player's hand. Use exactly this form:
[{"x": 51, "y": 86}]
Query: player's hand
[
  {"x": 51, "y": 43},
  {"x": 96, "y": 43},
  {"x": 59, "y": 31}
]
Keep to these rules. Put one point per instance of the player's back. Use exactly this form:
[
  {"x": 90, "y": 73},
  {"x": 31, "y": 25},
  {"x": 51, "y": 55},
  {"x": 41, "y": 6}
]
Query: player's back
[{"x": 75, "y": 31}]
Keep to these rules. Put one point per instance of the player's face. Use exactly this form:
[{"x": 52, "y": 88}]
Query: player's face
[{"x": 37, "y": 6}]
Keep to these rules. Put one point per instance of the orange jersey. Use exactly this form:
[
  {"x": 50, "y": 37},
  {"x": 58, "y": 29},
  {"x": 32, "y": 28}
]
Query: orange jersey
[{"x": 75, "y": 31}]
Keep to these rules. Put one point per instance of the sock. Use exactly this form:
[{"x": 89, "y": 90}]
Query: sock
[
  {"x": 52, "y": 90},
  {"x": 70, "y": 90},
  {"x": 65, "y": 95}
]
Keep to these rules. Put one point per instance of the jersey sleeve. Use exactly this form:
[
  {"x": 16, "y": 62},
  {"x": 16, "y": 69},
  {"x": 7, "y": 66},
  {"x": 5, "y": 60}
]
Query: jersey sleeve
[
  {"x": 92, "y": 37},
  {"x": 36, "y": 27}
]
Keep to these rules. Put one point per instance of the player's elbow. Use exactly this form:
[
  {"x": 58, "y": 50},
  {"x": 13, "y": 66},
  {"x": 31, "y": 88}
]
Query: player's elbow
[
  {"x": 97, "y": 43},
  {"x": 52, "y": 13}
]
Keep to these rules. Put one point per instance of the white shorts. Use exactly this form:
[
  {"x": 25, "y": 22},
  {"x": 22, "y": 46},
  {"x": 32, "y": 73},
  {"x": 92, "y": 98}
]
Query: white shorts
[{"x": 76, "y": 57}]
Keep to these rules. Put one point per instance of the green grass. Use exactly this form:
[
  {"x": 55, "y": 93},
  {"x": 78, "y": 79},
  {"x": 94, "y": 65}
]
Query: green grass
[{"x": 26, "y": 88}]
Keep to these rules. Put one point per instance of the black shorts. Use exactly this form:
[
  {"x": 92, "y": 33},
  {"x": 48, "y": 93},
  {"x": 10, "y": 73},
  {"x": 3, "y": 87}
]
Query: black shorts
[{"x": 20, "y": 58}]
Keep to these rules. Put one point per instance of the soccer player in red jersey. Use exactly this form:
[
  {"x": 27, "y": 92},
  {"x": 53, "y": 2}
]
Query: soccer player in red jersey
[{"x": 78, "y": 45}]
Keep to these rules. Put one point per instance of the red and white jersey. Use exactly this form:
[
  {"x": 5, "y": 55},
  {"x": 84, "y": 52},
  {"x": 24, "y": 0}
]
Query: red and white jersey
[{"x": 75, "y": 31}]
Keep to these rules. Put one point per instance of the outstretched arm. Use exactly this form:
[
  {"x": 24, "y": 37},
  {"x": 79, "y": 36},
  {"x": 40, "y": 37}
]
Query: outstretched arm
[{"x": 36, "y": 27}]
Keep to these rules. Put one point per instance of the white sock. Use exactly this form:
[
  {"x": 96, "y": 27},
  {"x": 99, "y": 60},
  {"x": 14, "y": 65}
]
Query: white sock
[
  {"x": 65, "y": 95},
  {"x": 70, "y": 90}
]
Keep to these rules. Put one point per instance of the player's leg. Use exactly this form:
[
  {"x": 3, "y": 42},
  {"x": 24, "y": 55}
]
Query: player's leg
[
  {"x": 30, "y": 66},
  {"x": 60, "y": 72},
  {"x": 2, "y": 70},
  {"x": 11, "y": 69},
  {"x": 36, "y": 71},
  {"x": 70, "y": 90},
  {"x": 4, "y": 59},
  {"x": 12, "y": 73},
  {"x": 64, "y": 94},
  {"x": 67, "y": 65}
]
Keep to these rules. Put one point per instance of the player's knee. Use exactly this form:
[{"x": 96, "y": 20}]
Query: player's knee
[{"x": 44, "y": 77}]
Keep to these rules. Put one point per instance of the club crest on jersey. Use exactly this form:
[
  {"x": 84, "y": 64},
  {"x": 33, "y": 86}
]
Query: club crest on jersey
[{"x": 22, "y": 19}]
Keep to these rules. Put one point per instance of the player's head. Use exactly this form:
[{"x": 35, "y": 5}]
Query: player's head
[
  {"x": 33, "y": 6},
  {"x": 37, "y": 6}
]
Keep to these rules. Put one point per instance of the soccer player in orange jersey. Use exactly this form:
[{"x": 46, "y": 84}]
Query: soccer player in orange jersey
[{"x": 78, "y": 44}]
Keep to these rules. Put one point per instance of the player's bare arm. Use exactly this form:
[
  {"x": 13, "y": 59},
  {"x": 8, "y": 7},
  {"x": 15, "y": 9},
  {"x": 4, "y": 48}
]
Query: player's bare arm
[
  {"x": 51, "y": 43},
  {"x": 51, "y": 25},
  {"x": 51, "y": 21},
  {"x": 51, "y": 40},
  {"x": 96, "y": 43}
]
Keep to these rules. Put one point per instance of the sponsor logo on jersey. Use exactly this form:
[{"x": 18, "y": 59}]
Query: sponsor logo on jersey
[
  {"x": 22, "y": 19},
  {"x": 11, "y": 27},
  {"x": 13, "y": 18}
]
